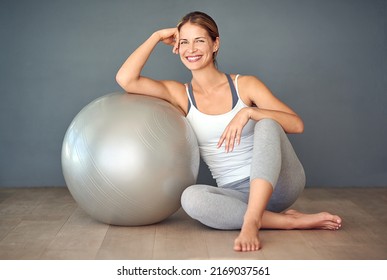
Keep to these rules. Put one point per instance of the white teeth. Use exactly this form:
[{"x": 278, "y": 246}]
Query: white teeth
[{"x": 193, "y": 58}]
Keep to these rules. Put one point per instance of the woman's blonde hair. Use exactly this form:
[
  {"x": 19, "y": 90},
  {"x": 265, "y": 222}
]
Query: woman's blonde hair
[{"x": 206, "y": 22}]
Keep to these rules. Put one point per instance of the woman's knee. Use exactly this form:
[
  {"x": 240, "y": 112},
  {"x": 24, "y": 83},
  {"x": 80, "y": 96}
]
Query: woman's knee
[
  {"x": 268, "y": 124},
  {"x": 187, "y": 198},
  {"x": 191, "y": 199}
]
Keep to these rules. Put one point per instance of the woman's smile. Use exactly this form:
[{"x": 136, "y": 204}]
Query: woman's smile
[{"x": 194, "y": 58}]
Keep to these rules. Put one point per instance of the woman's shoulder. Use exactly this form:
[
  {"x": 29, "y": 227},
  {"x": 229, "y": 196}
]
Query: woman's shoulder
[
  {"x": 245, "y": 78},
  {"x": 247, "y": 82},
  {"x": 250, "y": 88}
]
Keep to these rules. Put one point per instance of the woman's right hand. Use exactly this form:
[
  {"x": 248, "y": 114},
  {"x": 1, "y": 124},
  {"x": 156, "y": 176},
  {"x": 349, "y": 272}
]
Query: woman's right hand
[{"x": 170, "y": 36}]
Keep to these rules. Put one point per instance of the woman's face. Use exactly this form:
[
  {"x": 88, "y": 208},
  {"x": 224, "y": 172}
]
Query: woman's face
[{"x": 196, "y": 47}]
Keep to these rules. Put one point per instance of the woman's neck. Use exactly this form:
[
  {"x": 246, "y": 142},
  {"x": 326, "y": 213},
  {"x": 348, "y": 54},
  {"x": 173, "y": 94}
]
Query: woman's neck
[{"x": 208, "y": 77}]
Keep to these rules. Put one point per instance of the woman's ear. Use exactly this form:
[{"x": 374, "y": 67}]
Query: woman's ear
[{"x": 216, "y": 44}]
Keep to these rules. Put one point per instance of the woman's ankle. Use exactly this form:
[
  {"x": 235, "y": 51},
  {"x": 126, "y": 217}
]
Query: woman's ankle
[{"x": 251, "y": 221}]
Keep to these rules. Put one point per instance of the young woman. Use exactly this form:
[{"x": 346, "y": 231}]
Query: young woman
[{"x": 241, "y": 129}]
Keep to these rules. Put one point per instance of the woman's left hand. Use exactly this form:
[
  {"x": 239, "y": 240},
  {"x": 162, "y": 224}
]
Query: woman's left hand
[{"x": 232, "y": 133}]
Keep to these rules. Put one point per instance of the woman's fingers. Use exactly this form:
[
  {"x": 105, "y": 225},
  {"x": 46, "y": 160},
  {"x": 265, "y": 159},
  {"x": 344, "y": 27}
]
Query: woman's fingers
[
  {"x": 234, "y": 140},
  {"x": 176, "y": 45},
  {"x": 169, "y": 36},
  {"x": 221, "y": 139},
  {"x": 175, "y": 49},
  {"x": 230, "y": 138},
  {"x": 230, "y": 142}
]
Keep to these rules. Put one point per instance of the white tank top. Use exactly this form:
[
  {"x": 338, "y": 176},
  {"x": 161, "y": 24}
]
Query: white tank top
[{"x": 225, "y": 167}]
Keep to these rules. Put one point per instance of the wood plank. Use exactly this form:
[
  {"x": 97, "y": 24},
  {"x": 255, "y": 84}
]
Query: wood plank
[
  {"x": 129, "y": 243},
  {"x": 286, "y": 245},
  {"x": 179, "y": 237}
]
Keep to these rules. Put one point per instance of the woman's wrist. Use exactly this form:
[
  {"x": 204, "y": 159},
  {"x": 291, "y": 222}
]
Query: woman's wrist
[
  {"x": 250, "y": 112},
  {"x": 156, "y": 36},
  {"x": 256, "y": 114}
]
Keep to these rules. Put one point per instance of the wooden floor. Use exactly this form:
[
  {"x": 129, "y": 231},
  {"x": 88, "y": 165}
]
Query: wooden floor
[{"x": 46, "y": 223}]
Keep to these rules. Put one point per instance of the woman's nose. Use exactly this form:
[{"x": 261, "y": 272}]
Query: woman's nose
[{"x": 192, "y": 48}]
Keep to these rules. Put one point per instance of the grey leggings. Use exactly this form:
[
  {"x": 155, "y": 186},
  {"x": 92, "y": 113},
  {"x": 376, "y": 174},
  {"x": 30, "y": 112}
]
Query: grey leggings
[{"x": 274, "y": 160}]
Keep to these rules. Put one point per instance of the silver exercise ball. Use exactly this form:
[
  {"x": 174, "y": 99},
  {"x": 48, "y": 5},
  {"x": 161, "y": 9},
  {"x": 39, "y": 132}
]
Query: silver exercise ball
[{"x": 127, "y": 158}]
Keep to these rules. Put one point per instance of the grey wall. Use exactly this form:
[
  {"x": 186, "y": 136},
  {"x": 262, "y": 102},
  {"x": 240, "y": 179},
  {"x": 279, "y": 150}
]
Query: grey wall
[{"x": 325, "y": 58}]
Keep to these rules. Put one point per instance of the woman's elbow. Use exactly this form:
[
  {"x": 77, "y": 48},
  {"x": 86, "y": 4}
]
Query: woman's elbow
[
  {"x": 299, "y": 127},
  {"x": 124, "y": 81},
  {"x": 120, "y": 80}
]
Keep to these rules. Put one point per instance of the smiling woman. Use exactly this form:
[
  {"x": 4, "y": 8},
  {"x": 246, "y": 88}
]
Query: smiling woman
[
  {"x": 241, "y": 130},
  {"x": 198, "y": 51},
  {"x": 207, "y": 24}
]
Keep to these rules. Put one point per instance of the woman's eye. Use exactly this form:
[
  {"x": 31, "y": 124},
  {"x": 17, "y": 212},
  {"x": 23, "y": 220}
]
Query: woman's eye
[{"x": 183, "y": 42}]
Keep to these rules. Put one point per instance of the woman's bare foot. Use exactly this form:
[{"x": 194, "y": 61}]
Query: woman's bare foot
[
  {"x": 248, "y": 238},
  {"x": 323, "y": 220}
]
